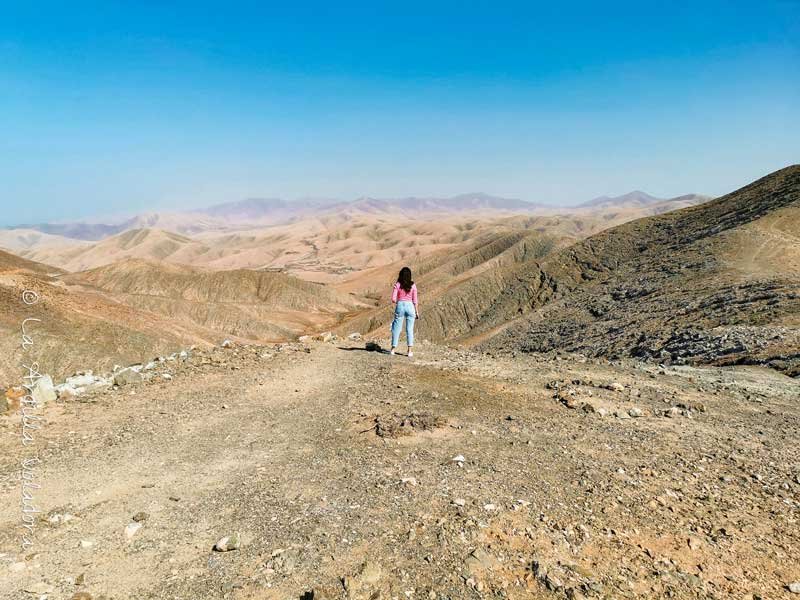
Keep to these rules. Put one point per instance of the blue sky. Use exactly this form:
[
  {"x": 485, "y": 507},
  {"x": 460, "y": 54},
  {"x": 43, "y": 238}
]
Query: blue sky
[{"x": 122, "y": 107}]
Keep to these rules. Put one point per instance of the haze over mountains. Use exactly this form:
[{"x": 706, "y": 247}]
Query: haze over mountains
[
  {"x": 319, "y": 240},
  {"x": 271, "y": 211}
]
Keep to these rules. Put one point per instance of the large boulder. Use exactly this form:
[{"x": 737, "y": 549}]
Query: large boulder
[{"x": 128, "y": 376}]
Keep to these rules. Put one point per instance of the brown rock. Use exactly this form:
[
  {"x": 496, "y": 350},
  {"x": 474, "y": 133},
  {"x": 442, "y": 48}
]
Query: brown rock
[{"x": 12, "y": 398}]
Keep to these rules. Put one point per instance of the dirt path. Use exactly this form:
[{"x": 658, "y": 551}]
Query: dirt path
[{"x": 548, "y": 501}]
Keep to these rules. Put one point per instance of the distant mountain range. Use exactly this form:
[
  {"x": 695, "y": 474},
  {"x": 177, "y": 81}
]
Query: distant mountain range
[
  {"x": 637, "y": 198},
  {"x": 253, "y": 212}
]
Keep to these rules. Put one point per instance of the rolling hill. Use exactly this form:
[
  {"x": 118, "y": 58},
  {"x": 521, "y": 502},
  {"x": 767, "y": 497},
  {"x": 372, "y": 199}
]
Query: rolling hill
[
  {"x": 133, "y": 310},
  {"x": 244, "y": 303},
  {"x": 329, "y": 247},
  {"x": 152, "y": 244},
  {"x": 76, "y": 330}
]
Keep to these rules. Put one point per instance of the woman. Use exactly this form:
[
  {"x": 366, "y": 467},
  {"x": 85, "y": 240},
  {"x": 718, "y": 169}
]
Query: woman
[{"x": 404, "y": 296}]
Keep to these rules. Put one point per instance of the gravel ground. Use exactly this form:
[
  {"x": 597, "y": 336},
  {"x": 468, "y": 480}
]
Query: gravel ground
[{"x": 337, "y": 472}]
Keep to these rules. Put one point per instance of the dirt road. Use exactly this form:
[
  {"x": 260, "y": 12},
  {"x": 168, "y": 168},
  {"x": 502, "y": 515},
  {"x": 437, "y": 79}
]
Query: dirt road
[{"x": 508, "y": 477}]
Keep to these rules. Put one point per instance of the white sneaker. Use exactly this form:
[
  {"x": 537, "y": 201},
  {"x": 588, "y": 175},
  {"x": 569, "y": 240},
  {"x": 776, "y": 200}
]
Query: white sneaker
[
  {"x": 392, "y": 352},
  {"x": 410, "y": 354}
]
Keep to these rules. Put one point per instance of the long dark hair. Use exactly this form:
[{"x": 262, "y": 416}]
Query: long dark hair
[{"x": 404, "y": 279}]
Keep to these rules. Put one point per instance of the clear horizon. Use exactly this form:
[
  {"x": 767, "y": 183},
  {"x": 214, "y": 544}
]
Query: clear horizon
[{"x": 112, "y": 110}]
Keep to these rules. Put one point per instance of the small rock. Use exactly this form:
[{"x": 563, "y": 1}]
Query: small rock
[
  {"x": 693, "y": 543},
  {"x": 227, "y": 344},
  {"x": 635, "y": 412},
  {"x": 39, "y": 588},
  {"x": 459, "y": 502},
  {"x": 228, "y": 543},
  {"x": 794, "y": 587},
  {"x": 58, "y": 518},
  {"x": 140, "y": 517},
  {"x": 132, "y": 529},
  {"x": 370, "y": 573}
]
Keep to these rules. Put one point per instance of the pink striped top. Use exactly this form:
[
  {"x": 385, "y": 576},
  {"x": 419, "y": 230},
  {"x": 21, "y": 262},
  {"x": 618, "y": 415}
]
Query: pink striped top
[{"x": 400, "y": 295}]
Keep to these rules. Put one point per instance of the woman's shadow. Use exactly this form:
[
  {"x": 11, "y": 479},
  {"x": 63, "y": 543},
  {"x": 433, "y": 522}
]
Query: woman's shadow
[{"x": 368, "y": 347}]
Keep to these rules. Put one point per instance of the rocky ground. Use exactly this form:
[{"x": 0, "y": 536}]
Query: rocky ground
[{"x": 338, "y": 472}]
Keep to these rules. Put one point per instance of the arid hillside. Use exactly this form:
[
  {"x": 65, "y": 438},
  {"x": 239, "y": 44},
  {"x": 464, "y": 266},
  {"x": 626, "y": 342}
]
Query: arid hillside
[
  {"x": 31, "y": 243},
  {"x": 715, "y": 283},
  {"x": 151, "y": 244},
  {"x": 75, "y": 330},
  {"x": 244, "y": 303},
  {"x": 457, "y": 286},
  {"x": 712, "y": 283},
  {"x": 133, "y": 310}
]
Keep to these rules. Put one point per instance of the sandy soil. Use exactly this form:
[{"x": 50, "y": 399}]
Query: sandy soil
[{"x": 503, "y": 479}]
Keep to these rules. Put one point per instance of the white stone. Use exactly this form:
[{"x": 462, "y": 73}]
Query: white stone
[
  {"x": 132, "y": 529},
  {"x": 44, "y": 391}
]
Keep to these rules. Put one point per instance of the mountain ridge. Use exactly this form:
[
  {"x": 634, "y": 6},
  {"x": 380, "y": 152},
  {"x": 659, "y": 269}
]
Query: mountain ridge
[{"x": 271, "y": 211}]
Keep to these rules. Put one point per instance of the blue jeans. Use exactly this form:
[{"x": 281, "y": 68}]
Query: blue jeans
[{"x": 403, "y": 309}]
